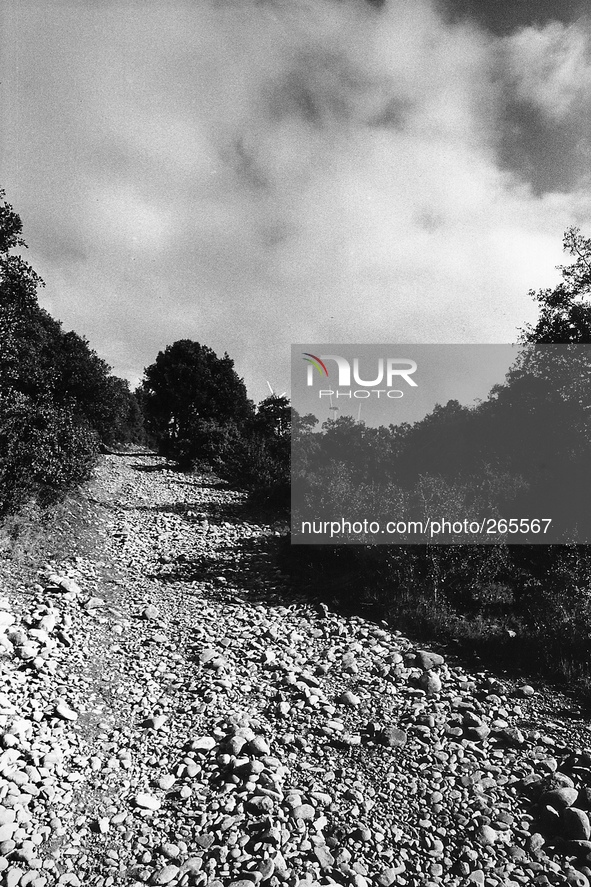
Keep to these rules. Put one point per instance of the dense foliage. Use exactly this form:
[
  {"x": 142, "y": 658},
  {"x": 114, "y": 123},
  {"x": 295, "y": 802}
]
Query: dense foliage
[
  {"x": 530, "y": 437},
  {"x": 188, "y": 395},
  {"x": 58, "y": 401},
  {"x": 197, "y": 412},
  {"x": 565, "y": 310},
  {"x": 261, "y": 461}
]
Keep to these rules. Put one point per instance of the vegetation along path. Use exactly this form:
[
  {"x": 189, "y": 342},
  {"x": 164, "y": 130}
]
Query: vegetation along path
[{"x": 172, "y": 712}]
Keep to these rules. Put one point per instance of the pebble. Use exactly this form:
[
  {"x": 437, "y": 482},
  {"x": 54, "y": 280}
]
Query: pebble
[
  {"x": 389, "y": 876},
  {"x": 69, "y": 585},
  {"x": 65, "y": 712},
  {"x": 258, "y": 746},
  {"x": 559, "y": 798},
  {"x": 304, "y": 812},
  {"x": 350, "y": 698},
  {"x": 204, "y": 743},
  {"x": 392, "y": 737},
  {"x": 430, "y": 682},
  {"x": 148, "y": 801},
  {"x": 165, "y": 875},
  {"x": 324, "y": 857},
  {"x": 486, "y": 835},
  {"x": 167, "y": 781},
  {"x": 427, "y": 660},
  {"x": 575, "y": 824},
  {"x": 155, "y": 722}
]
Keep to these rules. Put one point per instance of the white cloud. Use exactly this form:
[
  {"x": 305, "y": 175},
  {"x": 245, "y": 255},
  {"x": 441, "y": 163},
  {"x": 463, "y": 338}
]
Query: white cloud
[
  {"x": 550, "y": 66},
  {"x": 117, "y": 215}
]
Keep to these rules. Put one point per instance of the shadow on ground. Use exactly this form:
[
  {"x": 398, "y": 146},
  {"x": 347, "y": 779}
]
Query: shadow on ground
[{"x": 266, "y": 568}]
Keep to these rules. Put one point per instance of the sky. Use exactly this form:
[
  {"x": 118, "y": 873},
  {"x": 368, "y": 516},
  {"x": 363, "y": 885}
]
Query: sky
[{"x": 253, "y": 173}]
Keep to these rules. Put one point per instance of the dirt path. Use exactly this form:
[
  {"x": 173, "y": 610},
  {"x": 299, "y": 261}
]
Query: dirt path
[{"x": 173, "y": 712}]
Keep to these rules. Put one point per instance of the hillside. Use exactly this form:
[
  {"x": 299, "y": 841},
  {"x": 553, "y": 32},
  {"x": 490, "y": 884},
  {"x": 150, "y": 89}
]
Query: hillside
[{"x": 174, "y": 711}]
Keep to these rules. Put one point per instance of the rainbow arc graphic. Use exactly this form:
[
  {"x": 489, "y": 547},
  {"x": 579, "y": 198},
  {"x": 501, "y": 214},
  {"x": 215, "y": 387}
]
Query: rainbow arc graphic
[{"x": 316, "y": 362}]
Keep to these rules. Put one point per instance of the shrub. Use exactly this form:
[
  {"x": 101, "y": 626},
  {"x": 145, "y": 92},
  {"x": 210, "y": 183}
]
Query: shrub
[
  {"x": 44, "y": 451},
  {"x": 247, "y": 457}
]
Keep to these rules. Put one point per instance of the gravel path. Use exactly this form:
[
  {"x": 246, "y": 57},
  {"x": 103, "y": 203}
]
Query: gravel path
[{"x": 172, "y": 712}]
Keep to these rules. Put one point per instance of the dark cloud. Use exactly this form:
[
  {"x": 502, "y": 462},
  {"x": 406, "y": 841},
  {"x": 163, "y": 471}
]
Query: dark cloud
[
  {"x": 502, "y": 17},
  {"x": 551, "y": 156},
  {"x": 393, "y": 115},
  {"x": 247, "y": 167},
  {"x": 545, "y": 86}
]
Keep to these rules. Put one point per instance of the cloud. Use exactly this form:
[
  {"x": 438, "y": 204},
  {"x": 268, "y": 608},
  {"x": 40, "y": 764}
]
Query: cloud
[
  {"x": 252, "y": 174},
  {"x": 546, "y": 132},
  {"x": 550, "y": 67}
]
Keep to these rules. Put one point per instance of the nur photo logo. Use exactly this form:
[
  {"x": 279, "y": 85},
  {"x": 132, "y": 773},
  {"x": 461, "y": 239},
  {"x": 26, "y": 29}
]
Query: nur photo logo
[{"x": 388, "y": 372}]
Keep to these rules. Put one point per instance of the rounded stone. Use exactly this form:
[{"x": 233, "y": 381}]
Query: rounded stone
[
  {"x": 303, "y": 811},
  {"x": 575, "y": 824},
  {"x": 258, "y": 746},
  {"x": 428, "y": 660},
  {"x": 64, "y": 712},
  {"x": 203, "y": 743},
  {"x": 486, "y": 835},
  {"x": 165, "y": 875},
  {"x": 147, "y": 801},
  {"x": 559, "y": 798},
  {"x": 430, "y": 683},
  {"x": 392, "y": 737},
  {"x": 349, "y": 698}
]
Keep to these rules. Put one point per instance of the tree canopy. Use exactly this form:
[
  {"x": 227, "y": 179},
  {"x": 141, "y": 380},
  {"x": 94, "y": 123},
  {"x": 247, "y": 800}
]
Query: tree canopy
[
  {"x": 186, "y": 388},
  {"x": 565, "y": 310},
  {"x": 58, "y": 399}
]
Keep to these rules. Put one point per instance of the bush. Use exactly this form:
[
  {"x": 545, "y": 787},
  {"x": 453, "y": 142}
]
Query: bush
[
  {"x": 247, "y": 457},
  {"x": 44, "y": 451}
]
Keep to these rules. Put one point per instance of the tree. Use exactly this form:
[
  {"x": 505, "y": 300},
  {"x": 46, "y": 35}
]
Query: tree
[
  {"x": 273, "y": 417},
  {"x": 127, "y": 416},
  {"x": 186, "y": 388},
  {"x": 57, "y": 396},
  {"x": 40, "y": 360},
  {"x": 564, "y": 319},
  {"x": 44, "y": 448},
  {"x": 565, "y": 311},
  {"x": 23, "y": 326},
  {"x": 82, "y": 381}
]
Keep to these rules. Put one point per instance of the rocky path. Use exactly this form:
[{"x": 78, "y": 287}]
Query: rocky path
[{"x": 172, "y": 712}]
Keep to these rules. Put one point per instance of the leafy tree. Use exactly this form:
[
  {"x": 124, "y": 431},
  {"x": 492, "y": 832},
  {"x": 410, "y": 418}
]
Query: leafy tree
[
  {"x": 23, "y": 326},
  {"x": 273, "y": 417},
  {"x": 564, "y": 318},
  {"x": 44, "y": 448},
  {"x": 57, "y": 397},
  {"x": 127, "y": 416},
  {"x": 186, "y": 388},
  {"x": 565, "y": 310},
  {"x": 82, "y": 381},
  {"x": 527, "y": 445}
]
